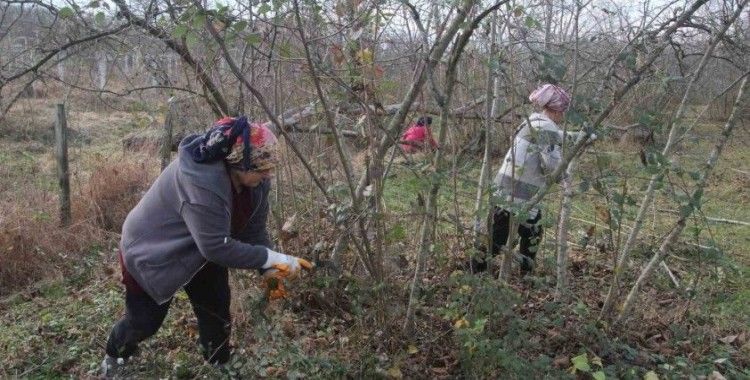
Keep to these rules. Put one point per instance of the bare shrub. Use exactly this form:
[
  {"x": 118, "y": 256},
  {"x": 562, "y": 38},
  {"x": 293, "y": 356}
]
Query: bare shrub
[
  {"x": 720, "y": 109},
  {"x": 114, "y": 188},
  {"x": 647, "y": 102},
  {"x": 32, "y": 245}
]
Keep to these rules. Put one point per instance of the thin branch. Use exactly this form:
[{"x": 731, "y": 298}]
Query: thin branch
[
  {"x": 695, "y": 196},
  {"x": 261, "y": 100},
  {"x": 218, "y": 103},
  {"x": 657, "y": 178},
  {"x": 52, "y": 53}
]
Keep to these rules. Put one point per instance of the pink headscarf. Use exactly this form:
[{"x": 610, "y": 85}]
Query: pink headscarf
[{"x": 550, "y": 96}]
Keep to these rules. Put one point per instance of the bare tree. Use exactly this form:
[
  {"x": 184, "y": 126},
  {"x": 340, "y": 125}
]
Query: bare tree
[
  {"x": 676, "y": 128},
  {"x": 695, "y": 197}
]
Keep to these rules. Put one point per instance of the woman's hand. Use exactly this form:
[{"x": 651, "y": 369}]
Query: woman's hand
[{"x": 285, "y": 265}]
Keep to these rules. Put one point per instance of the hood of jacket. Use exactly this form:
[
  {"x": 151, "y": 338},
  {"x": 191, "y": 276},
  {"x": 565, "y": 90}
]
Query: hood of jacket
[{"x": 212, "y": 176}]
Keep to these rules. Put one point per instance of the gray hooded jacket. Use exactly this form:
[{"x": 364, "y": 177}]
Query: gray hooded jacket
[{"x": 183, "y": 221}]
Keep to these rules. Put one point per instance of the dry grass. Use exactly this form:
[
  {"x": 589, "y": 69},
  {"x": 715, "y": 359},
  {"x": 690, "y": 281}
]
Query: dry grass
[
  {"x": 30, "y": 120},
  {"x": 34, "y": 247}
]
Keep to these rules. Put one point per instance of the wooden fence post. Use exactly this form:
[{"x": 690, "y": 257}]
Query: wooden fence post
[
  {"x": 63, "y": 175},
  {"x": 166, "y": 142}
]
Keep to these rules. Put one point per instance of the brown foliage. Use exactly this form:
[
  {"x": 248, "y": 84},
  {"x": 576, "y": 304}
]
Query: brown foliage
[{"x": 114, "y": 188}]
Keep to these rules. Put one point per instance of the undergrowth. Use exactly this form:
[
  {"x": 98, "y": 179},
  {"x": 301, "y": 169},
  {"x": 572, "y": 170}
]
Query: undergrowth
[{"x": 32, "y": 245}]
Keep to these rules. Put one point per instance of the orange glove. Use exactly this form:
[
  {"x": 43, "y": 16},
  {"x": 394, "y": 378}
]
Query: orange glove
[{"x": 275, "y": 275}]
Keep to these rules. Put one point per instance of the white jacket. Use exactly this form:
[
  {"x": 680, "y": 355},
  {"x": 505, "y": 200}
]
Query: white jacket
[{"x": 536, "y": 152}]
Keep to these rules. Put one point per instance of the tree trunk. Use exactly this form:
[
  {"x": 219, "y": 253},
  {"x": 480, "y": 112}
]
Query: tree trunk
[
  {"x": 491, "y": 110},
  {"x": 425, "y": 244},
  {"x": 562, "y": 232}
]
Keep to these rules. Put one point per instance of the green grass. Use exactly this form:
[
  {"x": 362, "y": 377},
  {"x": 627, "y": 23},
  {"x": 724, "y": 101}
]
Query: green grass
[
  {"x": 56, "y": 330},
  {"x": 23, "y": 167},
  {"x": 721, "y": 280}
]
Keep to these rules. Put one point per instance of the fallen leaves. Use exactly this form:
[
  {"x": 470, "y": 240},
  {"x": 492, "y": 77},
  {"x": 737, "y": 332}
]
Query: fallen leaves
[{"x": 394, "y": 373}]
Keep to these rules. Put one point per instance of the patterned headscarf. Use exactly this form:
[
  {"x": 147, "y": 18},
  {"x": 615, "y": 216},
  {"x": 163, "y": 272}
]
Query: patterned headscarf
[
  {"x": 550, "y": 96},
  {"x": 226, "y": 140}
]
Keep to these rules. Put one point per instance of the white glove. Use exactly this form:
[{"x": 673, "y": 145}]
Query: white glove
[
  {"x": 278, "y": 258},
  {"x": 278, "y": 267}
]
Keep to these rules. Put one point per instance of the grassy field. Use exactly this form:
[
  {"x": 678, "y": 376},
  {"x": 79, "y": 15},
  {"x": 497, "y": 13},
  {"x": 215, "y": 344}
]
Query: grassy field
[{"x": 467, "y": 326}]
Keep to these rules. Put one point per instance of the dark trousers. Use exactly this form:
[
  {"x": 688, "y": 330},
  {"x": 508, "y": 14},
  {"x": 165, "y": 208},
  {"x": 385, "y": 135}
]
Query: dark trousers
[
  {"x": 530, "y": 233},
  {"x": 209, "y": 295}
]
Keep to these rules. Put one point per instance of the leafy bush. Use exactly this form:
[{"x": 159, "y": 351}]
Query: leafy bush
[{"x": 490, "y": 336}]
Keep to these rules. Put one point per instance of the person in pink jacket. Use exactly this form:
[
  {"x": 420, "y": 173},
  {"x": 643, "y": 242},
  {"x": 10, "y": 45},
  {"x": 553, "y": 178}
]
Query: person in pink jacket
[{"x": 418, "y": 136}]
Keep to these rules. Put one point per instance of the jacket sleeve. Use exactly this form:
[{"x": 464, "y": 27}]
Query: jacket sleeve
[
  {"x": 210, "y": 228},
  {"x": 551, "y": 148}
]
